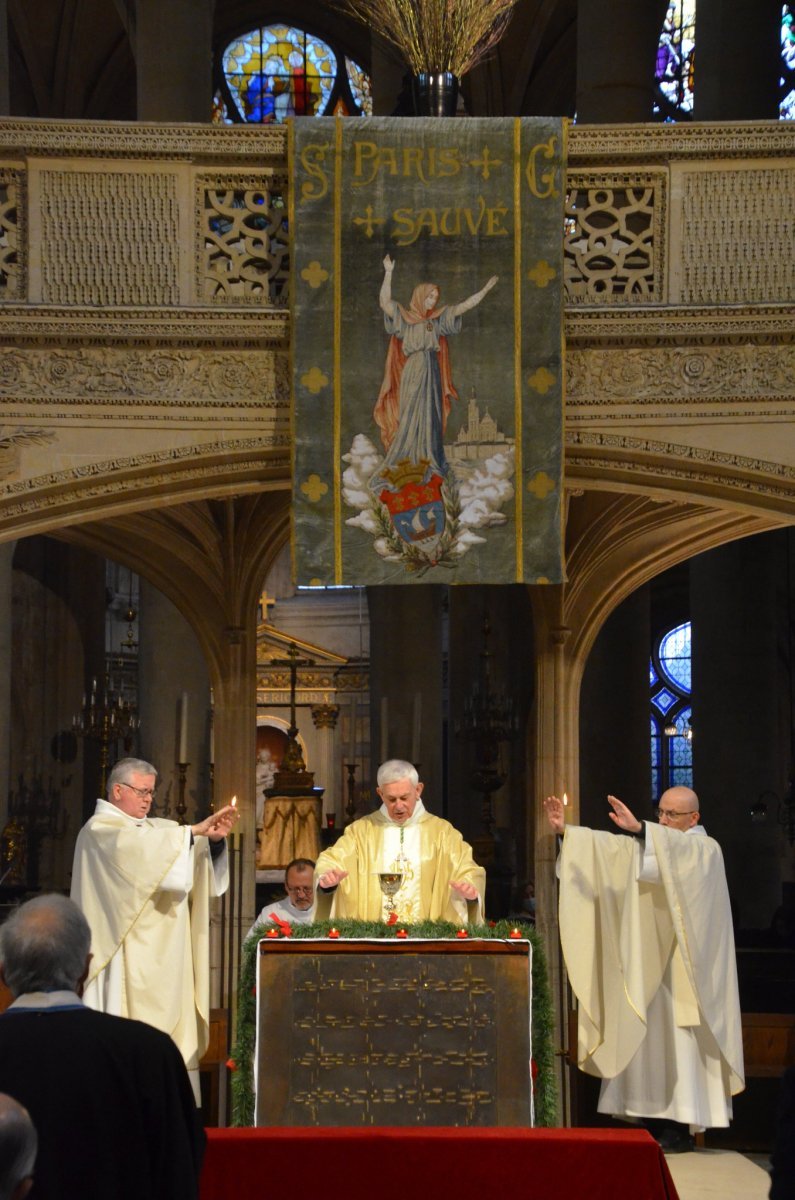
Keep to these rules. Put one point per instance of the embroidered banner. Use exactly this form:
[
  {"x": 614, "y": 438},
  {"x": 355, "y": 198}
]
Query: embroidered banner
[{"x": 427, "y": 269}]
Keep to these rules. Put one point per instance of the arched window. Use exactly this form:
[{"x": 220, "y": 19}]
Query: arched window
[
  {"x": 277, "y": 71},
  {"x": 671, "y": 711},
  {"x": 787, "y": 80},
  {"x": 673, "y": 71}
]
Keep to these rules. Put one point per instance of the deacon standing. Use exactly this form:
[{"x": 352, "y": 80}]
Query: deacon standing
[
  {"x": 440, "y": 877},
  {"x": 144, "y": 885}
]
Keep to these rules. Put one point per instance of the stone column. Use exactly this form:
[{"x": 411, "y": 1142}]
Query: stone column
[
  {"x": 6, "y": 658},
  {"x": 616, "y": 50},
  {"x": 740, "y": 691},
  {"x": 406, "y": 679},
  {"x": 738, "y": 59},
  {"x": 325, "y": 720},
  {"x": 614, "y": 715},
  {"x": 173, "y": 54},
  {"x": 170, "y": 663}
]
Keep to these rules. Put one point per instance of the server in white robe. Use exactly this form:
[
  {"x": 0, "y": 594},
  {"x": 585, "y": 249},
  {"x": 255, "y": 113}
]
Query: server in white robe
[
  {"x": 144, "y": 885},
  {"x": 646, "y": 931}
]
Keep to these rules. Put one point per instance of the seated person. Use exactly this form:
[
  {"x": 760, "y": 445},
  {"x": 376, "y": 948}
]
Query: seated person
[
  {"x": 441, "y": 880},
  {"x": 298, "y": 906},
  {"x": 18, "y": 1144}
]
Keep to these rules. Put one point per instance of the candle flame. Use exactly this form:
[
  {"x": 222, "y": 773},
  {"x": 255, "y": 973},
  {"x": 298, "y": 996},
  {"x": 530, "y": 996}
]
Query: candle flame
[
  {"x": 565, "y": 800},
  {"x": 234, "y": 802}
]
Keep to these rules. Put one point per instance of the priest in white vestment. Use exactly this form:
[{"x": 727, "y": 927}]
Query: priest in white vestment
[
  {"x": 144, "y": 885},
  {"x": 298, "y": 906},
  {"x": 440, "y": 878},
  {"x": 646, "y": 931}
]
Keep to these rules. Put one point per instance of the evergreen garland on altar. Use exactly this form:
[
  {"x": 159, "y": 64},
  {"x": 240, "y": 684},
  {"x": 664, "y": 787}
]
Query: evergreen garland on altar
[{"x": 242, "y": 1062}]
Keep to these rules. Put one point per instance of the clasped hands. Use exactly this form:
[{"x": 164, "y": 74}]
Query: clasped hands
[
  {"x": 620, "y": 816},
  {"x": 330, "y": 879},
  {"x": 217, "y": 825}
]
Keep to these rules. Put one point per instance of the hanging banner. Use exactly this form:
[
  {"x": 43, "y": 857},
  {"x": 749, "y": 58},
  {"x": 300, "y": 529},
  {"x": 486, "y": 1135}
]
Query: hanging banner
[{"x": 427, "y": 313}]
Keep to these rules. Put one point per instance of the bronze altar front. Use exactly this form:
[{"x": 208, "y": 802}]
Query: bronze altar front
[{"x": 360, "y": 1032}]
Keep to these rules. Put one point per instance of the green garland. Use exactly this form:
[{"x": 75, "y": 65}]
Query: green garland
[{"x": 242, "y": 1061}]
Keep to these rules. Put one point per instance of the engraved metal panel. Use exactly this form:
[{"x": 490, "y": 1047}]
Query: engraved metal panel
[{"x": 357, "y": 1033}]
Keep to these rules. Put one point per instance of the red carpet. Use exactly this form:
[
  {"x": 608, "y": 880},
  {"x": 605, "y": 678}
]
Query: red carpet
[{"x": 394, "y": 1163}]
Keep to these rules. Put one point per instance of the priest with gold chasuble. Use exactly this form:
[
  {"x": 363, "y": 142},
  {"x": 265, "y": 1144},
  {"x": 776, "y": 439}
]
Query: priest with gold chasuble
[{"x": 438, "y": 877}]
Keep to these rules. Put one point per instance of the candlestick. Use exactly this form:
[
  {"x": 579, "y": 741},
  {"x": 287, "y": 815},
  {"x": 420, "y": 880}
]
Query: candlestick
[
  {"x": 182, "y": 807},
  {"x": 416, "y": 724},
  {"x": 183, "y": 729},
  {"x": 384, "y": 723},
  {"x": 352, "y": 747}
]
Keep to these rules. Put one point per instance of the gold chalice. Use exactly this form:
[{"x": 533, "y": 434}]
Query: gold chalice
[{"x": 391, "y": 882}]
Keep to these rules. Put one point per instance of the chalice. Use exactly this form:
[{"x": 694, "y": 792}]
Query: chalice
[{"x": 390, "y": 885}]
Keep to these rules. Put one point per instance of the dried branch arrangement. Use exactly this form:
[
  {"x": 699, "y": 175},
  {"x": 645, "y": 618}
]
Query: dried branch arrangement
[{"x": 436, "y": 35}]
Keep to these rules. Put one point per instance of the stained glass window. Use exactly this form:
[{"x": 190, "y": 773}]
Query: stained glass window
[
  {"x": 671, "y": 712},
  {"x": 276, "y": 72},
  {"x": 673, "y": 71},
  {"x": 787, "y": 80}
]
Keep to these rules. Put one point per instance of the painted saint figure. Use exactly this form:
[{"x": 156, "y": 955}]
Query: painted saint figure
[{"x": 417, "y": 391}]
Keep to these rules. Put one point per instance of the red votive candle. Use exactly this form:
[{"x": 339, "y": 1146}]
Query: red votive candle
[
  {"x": 515, "y": 933},
  {"x": 401, "y": 933},
  {"x": 272, "y": 933},
  {"x": 462, "y": 933},
  {"x": 333, "y": 933}
]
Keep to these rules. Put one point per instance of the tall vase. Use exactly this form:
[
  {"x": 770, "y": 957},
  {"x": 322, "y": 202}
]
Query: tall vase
[{"x": 435, "y": 94}]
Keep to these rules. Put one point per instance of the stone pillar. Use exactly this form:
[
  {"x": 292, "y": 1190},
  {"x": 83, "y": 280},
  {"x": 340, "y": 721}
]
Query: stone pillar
[
  {"x": 6, "y": 659},
  {"x": 614, "y": 715},
  {"x": 738, "y": 60},
  {"x": 325, "y": 720},
  {"x": 616, "y": 49},
  {"x": 5, "y": 94},
  {"x": 173, "y": 55},
  {"x": 740, "y": 744},
  {"x": 406, "y": 679},
  {"x": 170, "y": 663}
]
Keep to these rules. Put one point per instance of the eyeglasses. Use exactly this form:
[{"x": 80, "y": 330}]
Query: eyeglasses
[
  {"x": 669, "y": 813},
  {"x": 139, "y": 791},
  {"x": 300, "y": 888}
]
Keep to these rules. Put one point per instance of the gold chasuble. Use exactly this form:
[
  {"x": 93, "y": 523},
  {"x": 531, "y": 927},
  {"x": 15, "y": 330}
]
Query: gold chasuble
[
  {"x": 427, "y": 348},
  {"x": 430, "y": 854},
  {"x": 144, "y": 888},
  {"x": 648, "y": 943}
]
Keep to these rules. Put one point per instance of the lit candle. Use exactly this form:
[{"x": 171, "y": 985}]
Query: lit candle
[
  {"x": 515, "y": 933},
  {"x": 416, "y": 722},
  {"x": 565, "y": 807},
  {"x": 334, "y": 933},
  {"x": 272, "y": 933},
  {"x": 183, "y": 729},
  {"x": 401, "y": 933},
  {"x": 384, "y": 731},
  {"x": 462, "y": 933}
]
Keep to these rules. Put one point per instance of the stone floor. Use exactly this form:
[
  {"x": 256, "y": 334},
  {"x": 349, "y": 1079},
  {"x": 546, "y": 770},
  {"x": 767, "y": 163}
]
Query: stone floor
[{"x": 719, "y": 1175}]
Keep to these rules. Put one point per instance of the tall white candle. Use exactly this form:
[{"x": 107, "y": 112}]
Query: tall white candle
[
  {"x": 352, "y": 746},
  {"x": 416, "y": 723},
  {"x": 183, "y": 729},
  {"x": 384, "y": 729}
]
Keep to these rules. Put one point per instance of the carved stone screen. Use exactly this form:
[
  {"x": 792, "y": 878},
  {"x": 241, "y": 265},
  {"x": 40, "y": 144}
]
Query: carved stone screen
[{"x": 393, "y": 1033}]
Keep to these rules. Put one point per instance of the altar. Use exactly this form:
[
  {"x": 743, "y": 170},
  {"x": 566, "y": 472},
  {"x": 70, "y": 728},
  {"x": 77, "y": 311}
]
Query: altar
[{"x": 390, "y": 1032}]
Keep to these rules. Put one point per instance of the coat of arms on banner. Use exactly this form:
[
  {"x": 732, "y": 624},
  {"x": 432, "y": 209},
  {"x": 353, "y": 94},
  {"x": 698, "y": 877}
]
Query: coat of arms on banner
[{"x": 427, "y": 351}]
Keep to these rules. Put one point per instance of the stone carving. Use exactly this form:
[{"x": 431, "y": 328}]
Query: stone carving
[
  {"x": 170, "y": 378},
  {"x": 598, "y": 378},
  {"x": 243, "y": 232},
  {"x": 736, "y": 235},
  {"x": 12, "y": 235},
  {"x": 614, "y": 241},
  {"x": 117, "y": 234}
]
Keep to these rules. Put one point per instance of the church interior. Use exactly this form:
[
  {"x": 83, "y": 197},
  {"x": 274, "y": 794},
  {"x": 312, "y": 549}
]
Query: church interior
[{"x": 147, "y": 604}]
